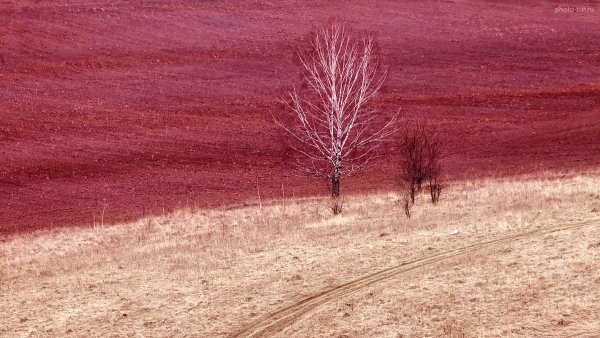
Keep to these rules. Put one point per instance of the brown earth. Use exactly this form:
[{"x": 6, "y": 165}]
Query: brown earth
[{"x": 137, "y": 107}]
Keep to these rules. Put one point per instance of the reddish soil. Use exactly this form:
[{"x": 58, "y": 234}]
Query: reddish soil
[{"x": 140, "y": 107}]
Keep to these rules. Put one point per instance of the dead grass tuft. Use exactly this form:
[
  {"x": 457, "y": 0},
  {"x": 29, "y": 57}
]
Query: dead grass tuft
[{"x": 596, "y": 245}]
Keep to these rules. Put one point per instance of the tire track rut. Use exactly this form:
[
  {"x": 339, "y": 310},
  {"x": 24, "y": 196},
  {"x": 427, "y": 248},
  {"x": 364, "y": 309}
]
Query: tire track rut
[{"x": 274, "y": 322}]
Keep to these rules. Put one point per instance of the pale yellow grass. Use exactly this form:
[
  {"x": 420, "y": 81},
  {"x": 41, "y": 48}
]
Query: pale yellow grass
[{"x": 210, "y": 272}]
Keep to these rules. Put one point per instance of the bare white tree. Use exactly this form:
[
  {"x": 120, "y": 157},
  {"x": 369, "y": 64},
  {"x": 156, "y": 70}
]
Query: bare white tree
[{"x": 334, "y": 129}]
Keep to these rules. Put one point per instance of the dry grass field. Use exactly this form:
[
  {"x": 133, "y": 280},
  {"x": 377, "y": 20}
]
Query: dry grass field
[{"x": 210, "y": 273}]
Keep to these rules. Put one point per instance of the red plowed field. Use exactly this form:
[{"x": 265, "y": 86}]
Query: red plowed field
[{"x": 139, "y": 107}]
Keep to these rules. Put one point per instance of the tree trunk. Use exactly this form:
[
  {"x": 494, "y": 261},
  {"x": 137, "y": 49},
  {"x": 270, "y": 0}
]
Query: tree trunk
[
  {"x": 335, "y": 186},
  {"x": 336, "y": 206}
]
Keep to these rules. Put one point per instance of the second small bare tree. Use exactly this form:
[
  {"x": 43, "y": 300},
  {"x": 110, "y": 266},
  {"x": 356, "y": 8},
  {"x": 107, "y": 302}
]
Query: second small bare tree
[
  {"x": 420, "y": 148},
  {"x": 334, "y": 130}
]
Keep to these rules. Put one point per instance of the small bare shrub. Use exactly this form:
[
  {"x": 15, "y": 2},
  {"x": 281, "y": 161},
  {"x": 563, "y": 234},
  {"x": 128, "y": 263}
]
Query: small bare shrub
[
  {"x": 420, "y": 149},
  {"x": 433, "y": 168},
  {"x": 337, "y": 205},
  {"x": 407, "y": 203}
]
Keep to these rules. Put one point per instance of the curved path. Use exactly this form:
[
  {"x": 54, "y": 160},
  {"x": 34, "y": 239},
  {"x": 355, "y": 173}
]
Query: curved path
[{"x": 276, "y": 321}]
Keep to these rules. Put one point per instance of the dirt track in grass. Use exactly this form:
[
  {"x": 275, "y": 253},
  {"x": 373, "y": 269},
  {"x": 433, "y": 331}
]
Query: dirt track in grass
[{"x": 276, "y": 321}]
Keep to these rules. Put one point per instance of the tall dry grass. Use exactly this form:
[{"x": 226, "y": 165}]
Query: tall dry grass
[{"x": 209, "y": 271}]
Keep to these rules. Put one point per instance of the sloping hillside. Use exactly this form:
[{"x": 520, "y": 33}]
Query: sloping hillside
[{"x": 125, "y": 108}]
